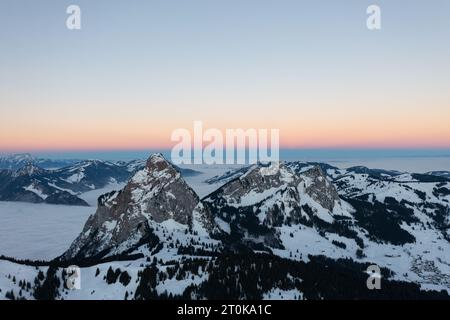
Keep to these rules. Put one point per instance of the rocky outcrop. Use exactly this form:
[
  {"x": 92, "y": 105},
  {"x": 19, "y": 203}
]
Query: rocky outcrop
[
  {"x": 260, "y": 200},
  {"x": 155, "y": 194},
  {"x": 319, "y": 188},
  {"x": 255, "y": 184}
]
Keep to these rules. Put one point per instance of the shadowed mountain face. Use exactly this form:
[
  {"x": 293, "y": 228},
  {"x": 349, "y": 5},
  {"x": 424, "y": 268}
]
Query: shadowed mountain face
[
  {"x": 32, "y": 184},
  {"x": 62, "y": 186},
  {"x": 88, "y": 175},
  {"x": 155, "y": 194},
  {"x": 255, "y": 204}
]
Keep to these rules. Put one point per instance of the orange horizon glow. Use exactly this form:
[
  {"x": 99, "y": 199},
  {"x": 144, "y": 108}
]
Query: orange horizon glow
[
  {"x": 140, "y": 134},
  {"x": 159, "y": 138},
  {"x": 316, "y": 124}
]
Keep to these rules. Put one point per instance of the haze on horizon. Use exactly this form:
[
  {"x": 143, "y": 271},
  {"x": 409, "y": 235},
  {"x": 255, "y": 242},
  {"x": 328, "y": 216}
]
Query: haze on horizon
[{"x": 139, "y": 70}]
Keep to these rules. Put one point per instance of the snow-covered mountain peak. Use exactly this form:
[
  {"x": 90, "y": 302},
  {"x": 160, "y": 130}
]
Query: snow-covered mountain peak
[
  {"x": 22, "y": 157},
  {"x": 262, "y": 177},
  {"x": 261, "y": 182},
  {"x": 158, "y": 158},
  {"x": 256, "y": 204},
  {"x": 28, "y": 170},
  {"x": 154, "y": 195},
  {"x": 157, "y": 169},
  {"x": 96, "y": 162},
  {"x": 89, "y": 163},
  {"x": 271, "y": 170}
]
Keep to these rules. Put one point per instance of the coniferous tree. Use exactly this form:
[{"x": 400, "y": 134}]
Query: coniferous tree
[
  {"x": 49, "y": 290},
  {"x": 124, "y": 278},
  {"x": 10, "y": 295}
]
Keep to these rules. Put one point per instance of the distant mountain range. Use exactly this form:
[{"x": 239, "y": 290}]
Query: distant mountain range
[
  {"x": 17, "y": 161},
  {"x": 304, "y": 231},
  {"x": 332, "y": 172},
  {"x": 24, "y": 178}
]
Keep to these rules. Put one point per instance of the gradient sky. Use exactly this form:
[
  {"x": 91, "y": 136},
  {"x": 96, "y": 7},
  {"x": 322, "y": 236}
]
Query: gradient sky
[{"x": 139, "y": 69}]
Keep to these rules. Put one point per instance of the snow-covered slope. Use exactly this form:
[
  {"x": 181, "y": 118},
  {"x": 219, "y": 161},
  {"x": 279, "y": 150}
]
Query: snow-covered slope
[
  {"x": 300, "y": 230},
  {"x": 33, "y": 184},
  {"x": 62, "y": 186},
  {"x": 255, "y": 205},
  {"x": 89, "y": 175}
]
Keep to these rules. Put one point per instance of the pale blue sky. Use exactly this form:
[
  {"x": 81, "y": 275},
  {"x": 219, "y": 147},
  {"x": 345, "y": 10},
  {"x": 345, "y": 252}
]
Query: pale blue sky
[{"x": 148, "y": 67}]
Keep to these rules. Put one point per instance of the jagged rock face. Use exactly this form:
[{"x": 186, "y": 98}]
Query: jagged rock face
[
  {"x": 259, "y": 201},
  {"x": 316, "y": 182},
  {"x": 28, "y": 170},
  {"x": 320, "y": 189},
  {"x": 159, "y": 190},
  {"x": 154, "y": 194},
  {"x": 281, "y": 191},
  {"x": 256, "y": 184}
]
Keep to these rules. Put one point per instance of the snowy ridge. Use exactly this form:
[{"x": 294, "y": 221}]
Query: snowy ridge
[{"x": 301, "y": 221}]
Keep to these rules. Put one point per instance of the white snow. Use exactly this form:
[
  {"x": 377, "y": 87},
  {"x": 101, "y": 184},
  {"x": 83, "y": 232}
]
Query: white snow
[
  {"x": 76, "y": 178},
  {"x": 91, "y": 196},
  {"x": 279, "y": 294},
  {"x": 225, "y": 226},
  {"x": 36, "y": 191},
  {"x": 62, "y": 189},
  {"x": 110, "y": 225}
]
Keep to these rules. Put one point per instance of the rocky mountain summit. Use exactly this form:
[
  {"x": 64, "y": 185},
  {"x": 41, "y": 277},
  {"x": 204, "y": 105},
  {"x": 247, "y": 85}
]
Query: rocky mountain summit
[
  {"x": 125, "y": 218},
  {"x": 254, "y": 205}
]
